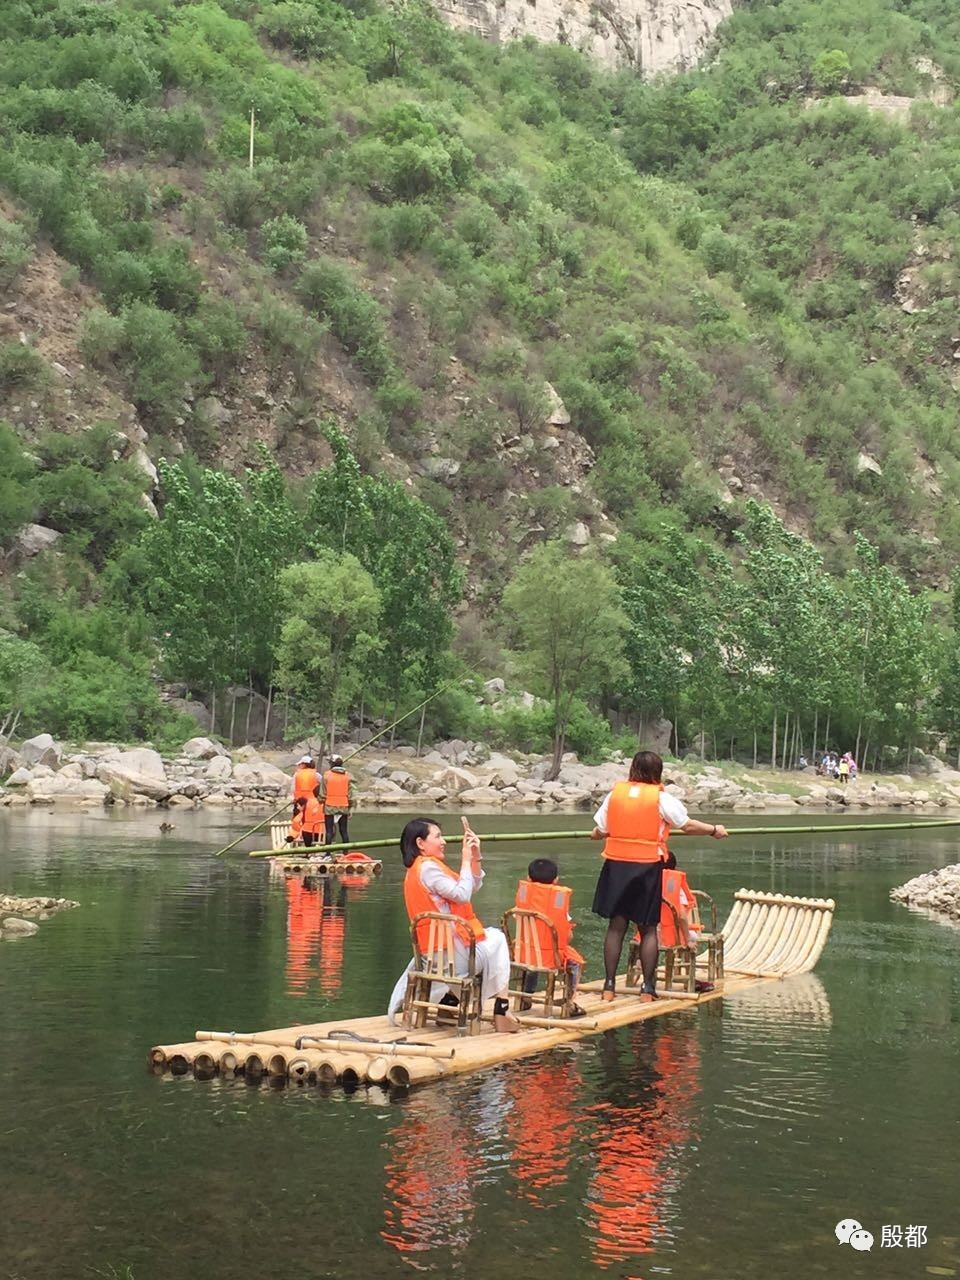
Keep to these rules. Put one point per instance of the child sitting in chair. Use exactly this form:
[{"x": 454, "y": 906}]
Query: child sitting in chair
[
  {"x": 295, "y": 834},
  {"x": 541, "y": 892},
  {"x": 677, "y": 893}
]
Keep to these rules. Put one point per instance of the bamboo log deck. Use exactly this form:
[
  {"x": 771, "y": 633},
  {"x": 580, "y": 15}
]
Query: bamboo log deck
[
  {"x": 768, "y": 937},
  {"x": 302, "y": 862}
]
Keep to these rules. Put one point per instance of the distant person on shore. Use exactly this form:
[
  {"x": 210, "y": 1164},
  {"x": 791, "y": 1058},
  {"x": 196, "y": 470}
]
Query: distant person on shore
[
  {"x": 634, "y": 821},
  {"x": 337, "y": 797},
  {"x": 843, "y": 770}
]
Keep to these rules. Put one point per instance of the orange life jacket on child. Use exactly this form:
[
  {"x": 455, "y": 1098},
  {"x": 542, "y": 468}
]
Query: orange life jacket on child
[
  {"x": 635, "y": 830},
  {"x": 418, "y": 898},
  {"x": 673, "y": 883},
  {"x": 552, "y": 901},
  {"x": 313, "y": 815},
  {"x": 296, "y": 826}
]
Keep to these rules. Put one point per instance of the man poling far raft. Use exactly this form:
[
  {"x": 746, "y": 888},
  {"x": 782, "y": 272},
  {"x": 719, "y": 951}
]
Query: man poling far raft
[{"x": 635, "y": 821}]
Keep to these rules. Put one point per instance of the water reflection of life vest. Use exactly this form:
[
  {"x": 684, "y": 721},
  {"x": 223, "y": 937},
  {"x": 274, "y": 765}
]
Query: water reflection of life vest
[
  {"x": 637, "y": 1146},
  {"x": 304, "y": 907},
  {"x": 545, "y": 1100},
  {"x": 333, "y": 930},
  {"x": 429, "y": 1177}
]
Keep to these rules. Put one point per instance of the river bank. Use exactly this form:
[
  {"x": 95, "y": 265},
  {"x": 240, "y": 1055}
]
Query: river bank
[{"x": 453, "y": 774}]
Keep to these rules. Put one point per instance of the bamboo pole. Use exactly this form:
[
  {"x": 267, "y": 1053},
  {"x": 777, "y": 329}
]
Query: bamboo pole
[
  {"x": 286, "y": 804},
  {"x": 526, "y": 836},
  {"x": 338, "y": 1044}
]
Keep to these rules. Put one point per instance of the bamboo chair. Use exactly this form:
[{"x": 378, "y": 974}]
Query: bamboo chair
[
  {"x": 437, "y": 962},
  {"x": 535, "y": 948},
  {"x": 678, "y": 971}
]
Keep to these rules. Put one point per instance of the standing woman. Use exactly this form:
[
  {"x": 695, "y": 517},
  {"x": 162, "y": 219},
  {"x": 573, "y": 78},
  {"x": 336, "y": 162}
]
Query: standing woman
[
  {"x": 635, "y": 821},
  {"x": 430, "y": 885}
]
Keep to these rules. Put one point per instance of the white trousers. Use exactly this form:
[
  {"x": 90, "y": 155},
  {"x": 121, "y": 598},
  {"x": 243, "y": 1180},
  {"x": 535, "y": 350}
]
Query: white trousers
[{"x": 493, "y": 964}]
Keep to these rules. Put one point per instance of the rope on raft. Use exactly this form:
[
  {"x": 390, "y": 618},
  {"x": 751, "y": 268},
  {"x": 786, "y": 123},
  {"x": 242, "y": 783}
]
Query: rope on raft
[{"x": 523, "y": 836}]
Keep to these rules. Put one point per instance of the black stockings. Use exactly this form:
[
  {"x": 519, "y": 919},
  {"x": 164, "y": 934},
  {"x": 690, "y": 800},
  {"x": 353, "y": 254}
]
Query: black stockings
[{"x": 613, "y": 946}]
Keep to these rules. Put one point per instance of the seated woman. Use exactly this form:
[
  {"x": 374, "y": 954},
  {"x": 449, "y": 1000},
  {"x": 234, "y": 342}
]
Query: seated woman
[{"x": 430, "y": 885}]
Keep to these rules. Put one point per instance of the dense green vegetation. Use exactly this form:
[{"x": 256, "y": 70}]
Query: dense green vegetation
[{"x": 709, "y": 270}]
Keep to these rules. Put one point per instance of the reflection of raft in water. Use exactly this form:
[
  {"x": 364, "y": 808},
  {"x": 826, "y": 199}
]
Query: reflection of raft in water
[{"x": 767, "y": 937}]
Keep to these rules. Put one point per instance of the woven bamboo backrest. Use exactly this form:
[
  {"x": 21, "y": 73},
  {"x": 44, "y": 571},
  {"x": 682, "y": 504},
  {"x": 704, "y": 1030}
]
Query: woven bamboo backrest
[
  {"x": 534, "y": 940},
  {"x": 438, "y": 956}
]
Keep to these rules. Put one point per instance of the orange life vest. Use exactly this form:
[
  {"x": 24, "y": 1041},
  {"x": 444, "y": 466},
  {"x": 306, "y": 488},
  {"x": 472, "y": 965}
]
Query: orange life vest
[
  {"x": 305, "y": 782},
  {"x": 336, "y": 788},
  {"x": 552, "y": 901},
  {"x": 635, "y": 830},
  {"x": 673, "y": 883},
  {"x": 296, "y": 825},
  {"x": 313, "y": 815},
  {"x": 417, "y": 899}
]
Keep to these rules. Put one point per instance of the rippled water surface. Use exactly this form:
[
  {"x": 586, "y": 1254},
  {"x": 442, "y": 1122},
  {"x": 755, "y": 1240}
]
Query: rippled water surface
[{"x": 721, "y": 1142}]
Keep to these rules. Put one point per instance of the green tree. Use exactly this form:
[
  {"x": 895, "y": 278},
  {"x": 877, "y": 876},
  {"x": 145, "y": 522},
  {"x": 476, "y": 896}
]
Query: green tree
[
  {"x": 331, "y": 610},
  {"x": 18, "y": 495},
  {"x": 566, "y": 614},
  {"x": 831, "y": 70}
]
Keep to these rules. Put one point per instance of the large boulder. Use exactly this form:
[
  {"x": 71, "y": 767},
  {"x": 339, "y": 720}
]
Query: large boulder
[
  {"x": 219, "y": 769},
  {"x": 482, "y": 795},
  {"x": 50, "y": 788},
  {"x": 41, "y": 750},
  {"x": 260, "y": 773},
  {"x": 20, "y": 778},
  {"x": 36, "y": 538},
  {"x": 14, "y": 925},
  {"x": 202, "y": 749},
  {"x": 383, "y": 791},
  {"x": 455, "y": 780},
  {"x": 139, "y": 772}
]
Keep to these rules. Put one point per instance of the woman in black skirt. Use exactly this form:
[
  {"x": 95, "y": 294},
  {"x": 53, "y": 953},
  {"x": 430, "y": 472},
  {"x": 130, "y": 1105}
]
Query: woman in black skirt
[{"x": 635, "y": 821}]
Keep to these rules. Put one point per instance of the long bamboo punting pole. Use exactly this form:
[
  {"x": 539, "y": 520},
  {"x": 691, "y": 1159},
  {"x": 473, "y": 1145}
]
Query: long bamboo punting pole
[
  {"x": 526, "y": 836},
  {"x": 370, "y": 741},
  {"x": 289, "y": 1039}
]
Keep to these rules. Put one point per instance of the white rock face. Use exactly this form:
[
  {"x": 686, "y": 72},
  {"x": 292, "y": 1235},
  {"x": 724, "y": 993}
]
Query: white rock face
[
  {"x": 651, "y": 36},
  {"x": 19, "y": 778},
  {"x": 455, "y": 780},
  {"x": 259, "y": 773},
  {"x": 219, "y": 769},
  {"x": 41, "y": 750}
]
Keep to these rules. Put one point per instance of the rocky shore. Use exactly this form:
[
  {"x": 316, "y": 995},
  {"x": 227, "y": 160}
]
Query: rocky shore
[
  {"x": 15, "y": 926},
  {"x": 937, "y": 890},
  {"x": 454, "y": 774}
]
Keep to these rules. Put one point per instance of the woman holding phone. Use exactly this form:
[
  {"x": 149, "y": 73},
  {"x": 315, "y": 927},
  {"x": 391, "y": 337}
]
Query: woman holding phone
[{"x": 431, "y": 885}]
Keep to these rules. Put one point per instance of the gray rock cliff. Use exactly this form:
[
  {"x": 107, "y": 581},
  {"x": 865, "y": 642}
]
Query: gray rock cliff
[{"x": 652, "y": 36}]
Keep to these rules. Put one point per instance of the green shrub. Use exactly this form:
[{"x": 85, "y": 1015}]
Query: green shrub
[
  {"x": 217, "y": 334},
  {"x": 284, "y": 242},
  {"x": 329, "y": 289},
  {"x": 290, "y": 340},
  {"x": 402, "y": 228},
  {"x": 17, "y": 486},
  {"x": 15, "y": 251},
  {"x": 20, "y": 367}
]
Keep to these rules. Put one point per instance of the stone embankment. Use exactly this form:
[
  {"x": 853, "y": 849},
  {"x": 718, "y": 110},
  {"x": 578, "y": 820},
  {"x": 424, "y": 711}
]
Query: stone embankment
[
  {"x": 937, "y": 890},
  {"x": 453, "y": 774},
  {"x": 15, "y": 926}
]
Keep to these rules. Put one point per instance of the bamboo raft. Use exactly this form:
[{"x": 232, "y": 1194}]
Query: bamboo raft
[
  {"x": 768, "y": 937},
  {"x": 307, "y": 860}
]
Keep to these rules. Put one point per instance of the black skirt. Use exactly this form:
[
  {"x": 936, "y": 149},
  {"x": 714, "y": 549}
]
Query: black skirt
[{"x": 630, "y": 889}]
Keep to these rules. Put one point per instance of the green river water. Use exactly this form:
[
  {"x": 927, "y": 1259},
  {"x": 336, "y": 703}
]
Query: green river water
[{"x": 722, "y": 1142}]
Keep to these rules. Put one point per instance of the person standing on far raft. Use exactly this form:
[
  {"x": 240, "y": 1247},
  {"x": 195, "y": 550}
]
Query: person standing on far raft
[
  {"x": 337, "y": 797},
  {"x": 306, "y": 780},
  {"x": 430, "y": 885},
  {"x": 635, "y": 820}
]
